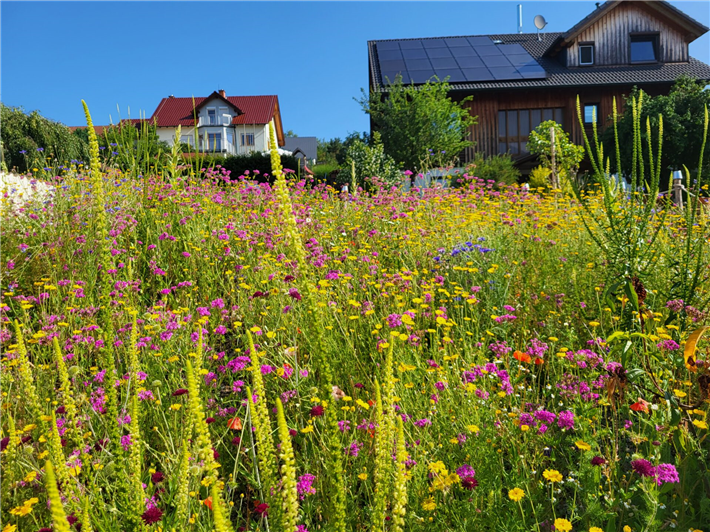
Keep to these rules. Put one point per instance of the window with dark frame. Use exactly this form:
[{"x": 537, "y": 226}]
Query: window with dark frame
[
  {"x": 586, "y": 54},
  {"x": 644, "y": 48},
  {"x": 515, "y": 125},
  {"x": 591, "y": 112},
  {"x": 247, "y": 139}
]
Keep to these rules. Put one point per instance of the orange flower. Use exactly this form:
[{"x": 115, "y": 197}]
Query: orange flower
[
  {"x": 539, "y": 361},
  {"x": 640, "y": 406},
  {"x": 235, "y": 423},
  {"x": 522, "y": 357},
  {"x": 208, "y": 502}
]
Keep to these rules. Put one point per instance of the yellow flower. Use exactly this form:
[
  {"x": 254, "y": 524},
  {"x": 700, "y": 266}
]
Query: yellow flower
[
  {"x": 29, "y": 477},
  {"x": 700, "y": 424},
  {"x": 438, "y": 468},
  {"x": 362, "y": 476},
  {"x": 679, "y": 393},
  {"x": 429, "y": 505},
  {"x": 552, "y": 475},
  {"x": 516, "y": 494},
  {"x": 583, "y": 445},
  {"x": 9, "y": 528},
  {"x": 563, "y": 525},
  {"x": 595, "y": 529},
  {"x": 627, "y": 528},
  {"x": 306, "y": 430}
]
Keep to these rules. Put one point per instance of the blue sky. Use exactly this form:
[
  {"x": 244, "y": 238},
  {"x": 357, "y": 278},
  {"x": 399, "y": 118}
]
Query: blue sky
[{"x": 313, "y": 55}]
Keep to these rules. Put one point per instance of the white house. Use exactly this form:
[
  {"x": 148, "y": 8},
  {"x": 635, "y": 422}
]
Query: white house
[{"x": 231, "y": 125}]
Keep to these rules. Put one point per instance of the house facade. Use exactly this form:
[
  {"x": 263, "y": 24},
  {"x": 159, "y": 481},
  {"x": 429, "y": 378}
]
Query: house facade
[
  {"x": 230, "y": 125},
  {"x": 520, "y": 80}
]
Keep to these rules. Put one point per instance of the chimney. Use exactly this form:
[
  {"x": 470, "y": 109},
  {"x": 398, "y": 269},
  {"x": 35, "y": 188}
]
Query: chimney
[{"x": 222, "y": 93}]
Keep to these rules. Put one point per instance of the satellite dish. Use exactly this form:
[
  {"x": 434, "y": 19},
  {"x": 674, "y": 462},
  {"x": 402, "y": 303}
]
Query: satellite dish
[{"x": 540, "y": 22}]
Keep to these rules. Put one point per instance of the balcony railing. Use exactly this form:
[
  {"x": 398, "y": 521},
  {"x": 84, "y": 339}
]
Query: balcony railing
[{"x": 214, "y": 121}]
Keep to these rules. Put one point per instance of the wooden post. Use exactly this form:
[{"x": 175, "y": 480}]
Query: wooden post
[{"x": 552, "y": 159}]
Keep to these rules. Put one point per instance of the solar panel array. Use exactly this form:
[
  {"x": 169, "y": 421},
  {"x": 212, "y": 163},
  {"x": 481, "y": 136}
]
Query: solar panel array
[{"x": 461, "y": 59}]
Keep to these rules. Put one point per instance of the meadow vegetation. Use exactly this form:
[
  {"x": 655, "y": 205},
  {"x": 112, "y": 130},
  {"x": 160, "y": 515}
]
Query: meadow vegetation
[{"x": 193, "y": 350}]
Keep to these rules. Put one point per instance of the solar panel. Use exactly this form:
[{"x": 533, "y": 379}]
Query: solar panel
[
  {"x": 414, "y": 53},
  {"x": 490, "y": 49},
  {"x": 420, "y": 76},
  {"x": 495, "y": 61},
  {"x": 455, "y": 42},
  {"x": 461, "y": 59},
  {"x": 410, "y": 45},
  {"x": 506, "y": 73},
  {"x": 443, "y": 62},
  {"x": 467, "y": 51},
  {"x": 417, "y": 64},
  {"x": 388, "y": 55},
  {"x": 433, "y": 43},
  {"x": 454, "y": 74},
  {"x": 387, "y": 45},
  {"x": 438, "y": 52},
  {"x": 478, "y": 74},
  {"x": 392, "y": 65},
  {"x": 469, "y": 62}
]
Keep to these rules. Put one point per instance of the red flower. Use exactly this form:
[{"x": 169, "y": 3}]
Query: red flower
[
  {"x": 179, "y": 391},
  {"x": 157, "y": 477},
  {"x": 208, "y": 502},
  {"x": 262, "y": 508},
  {"x": 152, "y": 515},
  {"x": 235, "y": 424},
  {"x": 522, "y": 357},
  {"x": 640, "y": 406},
  {"x": 317, "y": 411}
]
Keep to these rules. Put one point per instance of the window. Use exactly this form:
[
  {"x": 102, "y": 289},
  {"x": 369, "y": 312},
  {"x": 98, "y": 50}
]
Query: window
[
  {"x": 586, "y": 54},
  {"x": 591, "y": 113},
  {"x": 215, "y": 141},
  {"x": 644, "y": 48},
  {"x": 212, "y": 117},
  {"x": 247, "y": 139},
  {"x": 514, "y": 127}
]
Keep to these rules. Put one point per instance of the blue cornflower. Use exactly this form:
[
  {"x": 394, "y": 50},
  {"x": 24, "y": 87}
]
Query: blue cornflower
[
  {"x": 40, "y": 149},
  {"x": 481, "y": 238},
  {"x": 23, "y": 152}
]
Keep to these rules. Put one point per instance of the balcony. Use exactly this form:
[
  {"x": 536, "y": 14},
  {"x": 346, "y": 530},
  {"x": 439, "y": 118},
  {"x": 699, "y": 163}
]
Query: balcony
[{"x": 217, "y": 121}]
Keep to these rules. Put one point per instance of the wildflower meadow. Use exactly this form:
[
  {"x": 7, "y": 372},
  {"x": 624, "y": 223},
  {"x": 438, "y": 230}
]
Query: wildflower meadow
[{"x": 188, "y": 350}]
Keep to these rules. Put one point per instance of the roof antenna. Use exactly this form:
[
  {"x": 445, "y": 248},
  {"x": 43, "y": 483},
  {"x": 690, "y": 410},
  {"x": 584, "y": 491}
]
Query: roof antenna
[
  {"x": 520, "y": 18},
  {"x": 540, "y": 23}
]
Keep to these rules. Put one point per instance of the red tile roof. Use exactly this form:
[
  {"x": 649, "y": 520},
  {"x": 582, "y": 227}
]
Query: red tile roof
[{"x": 172, "y": 111}]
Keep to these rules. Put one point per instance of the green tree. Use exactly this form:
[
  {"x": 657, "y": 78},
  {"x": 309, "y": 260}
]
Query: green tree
[
  {"x": 30, "y": 140},
  {"x": 334, "y": 151},
  {"x": 683, "y": 114},
  {"x": 415, "y": 121}
]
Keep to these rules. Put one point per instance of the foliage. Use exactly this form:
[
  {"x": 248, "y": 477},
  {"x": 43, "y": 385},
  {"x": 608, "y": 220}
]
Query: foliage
[
  {"x": 416, "y": 119},
  {"x": 540, "y": 178},
  {"x": 499, "y": 168},
  {"x": 133, "y": 147},
  {"x": 370, "y": 162},
  {"x": 567, "y": 154},
  {"x": 334, "y": 151},
  {"x": 255, "y": 165},
  {"x": 32, "y": 141},
  {"x": 682, "y": 111}
]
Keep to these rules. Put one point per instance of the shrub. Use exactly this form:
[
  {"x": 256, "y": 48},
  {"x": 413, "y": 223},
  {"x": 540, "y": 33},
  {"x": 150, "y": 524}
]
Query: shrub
[
  {"x": 567, "y": 154},
  {"x": 239, "y": 165},
  {"x": 499, "y": 168},
  {"x": 370, "y": 161}
]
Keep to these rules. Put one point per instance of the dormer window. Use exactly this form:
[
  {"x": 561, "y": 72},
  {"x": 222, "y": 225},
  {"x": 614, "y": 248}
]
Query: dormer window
[
  {"x": 644, "y": 48},
  {"x": 586, "y": 54},
  {"x": 212, "y": 116}
]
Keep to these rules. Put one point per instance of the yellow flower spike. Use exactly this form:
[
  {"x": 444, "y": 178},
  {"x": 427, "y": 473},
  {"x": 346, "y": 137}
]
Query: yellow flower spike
[{"x": 59, "y": 518}]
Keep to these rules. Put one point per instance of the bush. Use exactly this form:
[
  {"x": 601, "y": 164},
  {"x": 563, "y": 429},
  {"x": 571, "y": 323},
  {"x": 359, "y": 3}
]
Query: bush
[
  {"x": 370, "y": 162},
  {"x": 540, "y": 178},
  {"x": 567, "y": 154},
  {"x": 499, "y": 168},
  {"x": 239, "y": 165},
  {"x": 43, "y": 141}
]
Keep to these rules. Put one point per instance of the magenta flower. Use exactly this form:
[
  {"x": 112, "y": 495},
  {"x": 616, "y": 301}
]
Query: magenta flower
[{"x": 643, "y": 468}]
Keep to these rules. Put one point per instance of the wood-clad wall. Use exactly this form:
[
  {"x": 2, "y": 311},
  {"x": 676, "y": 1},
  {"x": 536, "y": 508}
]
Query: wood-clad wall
[
  {"x": 486, "y": 106},
  {"x": 610, "y": 36}
]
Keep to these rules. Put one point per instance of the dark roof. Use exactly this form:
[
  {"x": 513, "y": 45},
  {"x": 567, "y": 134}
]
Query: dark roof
[
  {"x": 695, "y": 28},
  {"x": 307, "y": 145},
  {"x": 560, "y": 76}
]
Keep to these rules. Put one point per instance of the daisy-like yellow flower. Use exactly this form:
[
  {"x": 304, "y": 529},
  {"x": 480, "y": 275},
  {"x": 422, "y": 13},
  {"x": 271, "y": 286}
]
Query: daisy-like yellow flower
[
  {"x": 595, "y": 529},
  {"x": 552, "y": 475},
  {"x": 9, "y": 528},
  {"x": 429, "y": 505},
  {"x": 563, "y": 525},
  {"x": 700, "y": 424},
  {"x": 627, "y": 528},
  {"x": 584, "y": 446},
  {"x": 516, "y": 494}
]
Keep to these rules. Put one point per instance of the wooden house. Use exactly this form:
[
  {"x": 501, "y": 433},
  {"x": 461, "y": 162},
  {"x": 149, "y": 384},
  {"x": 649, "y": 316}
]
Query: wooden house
[{"x": 519, "y": 80}]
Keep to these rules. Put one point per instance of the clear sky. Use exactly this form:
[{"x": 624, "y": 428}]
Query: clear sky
[{"x": 313, "y": 55}]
